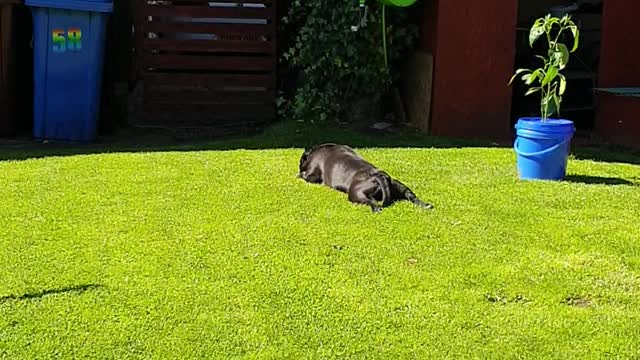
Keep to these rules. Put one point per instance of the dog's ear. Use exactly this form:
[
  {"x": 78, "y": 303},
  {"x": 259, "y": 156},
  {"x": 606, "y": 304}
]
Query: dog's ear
[
  {"x": 304, "y": 158},
  {"x": 307, "y": 151},
  {"x": 305, "y": 154},
  {"x": 309, "y": 148}
]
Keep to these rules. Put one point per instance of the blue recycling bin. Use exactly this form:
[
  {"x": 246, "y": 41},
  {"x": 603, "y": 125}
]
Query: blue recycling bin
[{"x": 69, "y": 41}]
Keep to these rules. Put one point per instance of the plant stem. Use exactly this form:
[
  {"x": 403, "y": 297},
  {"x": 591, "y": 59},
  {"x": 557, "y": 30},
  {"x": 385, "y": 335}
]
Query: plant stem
[{"x": 544, "y": 106}]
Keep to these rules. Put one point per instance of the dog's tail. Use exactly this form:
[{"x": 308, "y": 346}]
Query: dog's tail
[{"x": 402, "y": 192}]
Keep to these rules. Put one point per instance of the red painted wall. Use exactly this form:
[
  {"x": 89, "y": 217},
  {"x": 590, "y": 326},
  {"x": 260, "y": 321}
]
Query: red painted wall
[
  {"x": 617, "y": 119},
  {"x": 473, "y": 43}
]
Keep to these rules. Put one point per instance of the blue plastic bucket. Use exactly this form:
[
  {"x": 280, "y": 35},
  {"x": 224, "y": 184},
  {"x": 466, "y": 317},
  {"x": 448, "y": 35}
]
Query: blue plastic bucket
[
  {"x": 542, "y": 148},
  {"x": 69, "y": 40}
]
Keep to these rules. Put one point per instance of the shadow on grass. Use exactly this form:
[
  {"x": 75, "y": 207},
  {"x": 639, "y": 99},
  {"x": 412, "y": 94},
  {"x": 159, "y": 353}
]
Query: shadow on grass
[
  {"x": 608, "y": 153},
  {"x": 76, "y": 289},
  {"x": 597, "y": 180},
  {"x": 282, "y": 135}
]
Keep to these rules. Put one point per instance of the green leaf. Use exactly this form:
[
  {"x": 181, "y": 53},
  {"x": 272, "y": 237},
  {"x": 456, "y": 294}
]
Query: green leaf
[
  {"x": 550, "y": 75},
  {"x": 559, "y": 56},
  {"x": 549, "y": 103},
  {"x": 532, "y": 91},
  {"x": 576, "y": 37},
  {"x": 530, "y": 78},
  {"x": 563, "y": 85},
  {"x": 564, "y": 55},
  {"x": 548, "y": 24},
  {"x": 536, "y": 31},
  {"x": 556, "y": 102},
  {"x": 518, "y": 72}
]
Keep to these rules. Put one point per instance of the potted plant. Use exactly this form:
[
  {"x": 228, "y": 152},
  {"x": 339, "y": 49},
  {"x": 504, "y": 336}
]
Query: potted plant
[{"x": 542, "y": 143}]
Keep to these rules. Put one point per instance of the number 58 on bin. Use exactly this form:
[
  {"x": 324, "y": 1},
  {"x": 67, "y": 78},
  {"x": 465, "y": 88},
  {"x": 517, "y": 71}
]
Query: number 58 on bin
[{"x": 70, "y": 39}]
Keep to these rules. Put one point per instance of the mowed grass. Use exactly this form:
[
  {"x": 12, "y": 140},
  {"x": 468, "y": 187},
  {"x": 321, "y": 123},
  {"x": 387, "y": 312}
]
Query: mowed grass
[{"x": 225, "y": 254}]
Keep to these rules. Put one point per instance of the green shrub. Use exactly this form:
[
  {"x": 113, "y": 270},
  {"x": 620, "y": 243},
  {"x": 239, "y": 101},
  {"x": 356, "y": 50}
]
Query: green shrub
[{"x": 340, "y": 65}]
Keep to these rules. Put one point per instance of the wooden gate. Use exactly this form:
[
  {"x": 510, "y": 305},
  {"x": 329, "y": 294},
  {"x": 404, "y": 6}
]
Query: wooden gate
[{"x": 206, "y": 63}]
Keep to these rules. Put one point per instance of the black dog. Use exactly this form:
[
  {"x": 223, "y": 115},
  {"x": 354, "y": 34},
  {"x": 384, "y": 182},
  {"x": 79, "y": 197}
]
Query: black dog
[{"x": 339, "y": 167}]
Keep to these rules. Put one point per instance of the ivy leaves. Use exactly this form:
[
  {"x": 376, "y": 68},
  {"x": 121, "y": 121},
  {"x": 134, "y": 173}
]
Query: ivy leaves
[{"x": 340, "y": 65}]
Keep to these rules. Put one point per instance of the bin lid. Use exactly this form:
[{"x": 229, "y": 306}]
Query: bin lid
[{"x": 81, "y": 5}]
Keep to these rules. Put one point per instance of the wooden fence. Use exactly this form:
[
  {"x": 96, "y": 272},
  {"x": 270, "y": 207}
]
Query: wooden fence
[{"x": 205, "y": 64}]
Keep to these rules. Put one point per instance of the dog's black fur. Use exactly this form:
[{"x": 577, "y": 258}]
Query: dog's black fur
[{"x": 340, "y": 167}]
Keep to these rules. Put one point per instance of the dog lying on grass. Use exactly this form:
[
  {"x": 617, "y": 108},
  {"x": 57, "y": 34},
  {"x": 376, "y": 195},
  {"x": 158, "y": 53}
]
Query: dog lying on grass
[{"x": 341, "y": 168}]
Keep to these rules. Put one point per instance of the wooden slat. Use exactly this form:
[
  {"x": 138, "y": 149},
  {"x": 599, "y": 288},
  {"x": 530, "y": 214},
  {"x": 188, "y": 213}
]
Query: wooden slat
[
  {"x": 242, "y": 30},
  {"x": 209, "y": 81},
  {"x": 138, "y": 39},
  {"x": 206, "y": 2},
  {"x": 216, "y": 63},
  {"x": 175, "y": 96},
  {"x": 213, "y": 46},
  {"x": 208, "y": 12},
  {"x": 179, "y": 2},
  {"x": 181, "y": 114}
]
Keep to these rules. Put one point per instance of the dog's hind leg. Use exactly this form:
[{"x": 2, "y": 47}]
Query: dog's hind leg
[
  {"x": 383, "y": 181},
  {"x": 363, "y": 194},
  {"x": 400, "y": 191}
]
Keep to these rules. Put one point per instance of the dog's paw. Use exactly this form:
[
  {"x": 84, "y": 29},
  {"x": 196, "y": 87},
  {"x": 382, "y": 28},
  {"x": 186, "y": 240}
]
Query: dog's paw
[{"x": 376, "y": 209}]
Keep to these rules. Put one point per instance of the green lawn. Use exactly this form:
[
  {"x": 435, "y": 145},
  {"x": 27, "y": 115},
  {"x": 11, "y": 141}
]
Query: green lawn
[{"x": 224, "y": 253}]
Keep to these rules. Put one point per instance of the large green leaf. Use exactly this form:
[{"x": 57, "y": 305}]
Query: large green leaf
[
  {"x": 549, "y": 104},
  {"x": 564, "y": 55},
  {"x": 559, "y": 56},
  {"x": 550, "y": 75},
  {"x": 556, "y": 102},
  {"x": 576, "y": 37},
  {"x": 563, "y": 84},
  {"x": 536, "y": 31}
]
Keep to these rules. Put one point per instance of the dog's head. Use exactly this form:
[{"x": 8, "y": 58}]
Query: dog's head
[{"x": 304, "y": 160}]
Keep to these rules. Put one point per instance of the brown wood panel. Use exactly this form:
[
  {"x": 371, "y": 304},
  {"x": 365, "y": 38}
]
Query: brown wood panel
[
  {"x": 209, "y": 81},
  {"x": 217, "y": 63},
  {"x": 213, "y": 46},
  {"x": 208, "y": 12}
]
